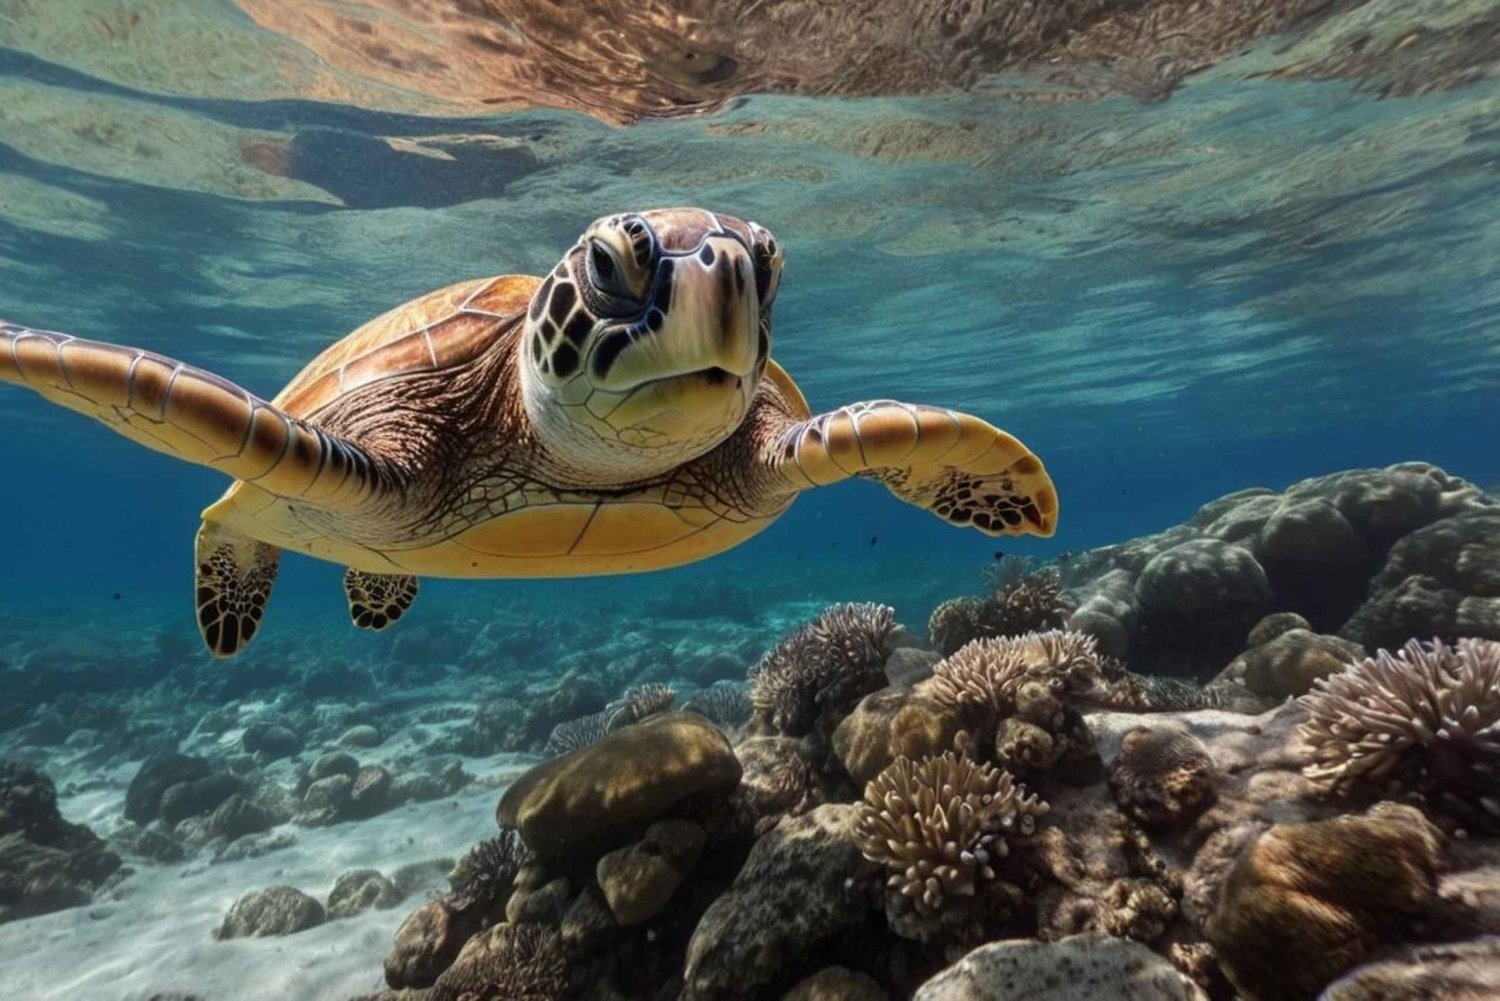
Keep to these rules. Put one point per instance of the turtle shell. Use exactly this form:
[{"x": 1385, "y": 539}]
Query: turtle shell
[{"x": 443, "y": 328}]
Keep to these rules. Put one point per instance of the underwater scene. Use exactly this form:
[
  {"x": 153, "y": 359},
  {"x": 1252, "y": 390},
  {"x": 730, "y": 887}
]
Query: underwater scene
[{"x": 572, "y": 500}]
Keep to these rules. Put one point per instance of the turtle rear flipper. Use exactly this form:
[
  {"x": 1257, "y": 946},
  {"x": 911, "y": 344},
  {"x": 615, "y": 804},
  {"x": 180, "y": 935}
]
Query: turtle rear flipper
[
  {"x": 188, "y": 413},
  {"x": 378, "y": 599},
  {"x": 958, "y": 467},
  {"x": 234, "y": 578}
]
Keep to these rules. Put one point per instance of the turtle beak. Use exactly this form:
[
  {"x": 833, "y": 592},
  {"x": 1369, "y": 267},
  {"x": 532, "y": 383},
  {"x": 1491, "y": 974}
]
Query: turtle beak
[{"x": 711, "y": 318}]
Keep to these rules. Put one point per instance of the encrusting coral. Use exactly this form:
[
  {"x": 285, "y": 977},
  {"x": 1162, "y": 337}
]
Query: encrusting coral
[
  {"x": 1021, "y": 599},
  {"x": 938, "y": 825},
  {"x": 1424, "y": 721},
  {"x": 829, "y": 663}
]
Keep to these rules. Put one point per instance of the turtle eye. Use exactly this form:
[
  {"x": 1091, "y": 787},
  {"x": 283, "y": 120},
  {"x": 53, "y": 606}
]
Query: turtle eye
[
  {"x": 768, "y": 261},
  {"x": 605, "y": 271}
]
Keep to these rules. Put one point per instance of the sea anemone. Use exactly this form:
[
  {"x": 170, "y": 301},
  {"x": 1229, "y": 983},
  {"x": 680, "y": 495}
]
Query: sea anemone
[
  {"x": 483, "y": 878},
  {"x": 938, "y": 825},
  {"x": 724, "y": 702},
  {"x": 988, "y": 673},
  {"x": 514, "y": 962},
  {"x": 830, "y": 662},
  {"x": 1425, "y": 720}
]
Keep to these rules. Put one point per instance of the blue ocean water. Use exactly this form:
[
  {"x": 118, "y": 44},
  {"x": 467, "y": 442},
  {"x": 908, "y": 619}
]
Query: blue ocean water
[
  {"x": 1256, "y": 281},
  {"x": 1174, "y": 273}
]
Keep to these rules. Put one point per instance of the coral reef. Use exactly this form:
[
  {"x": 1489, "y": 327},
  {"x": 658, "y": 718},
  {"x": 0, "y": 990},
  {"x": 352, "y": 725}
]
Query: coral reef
[
  {"x": 483, "y": 879},
  {"x": 939, "y": 827},
  {"x": 509, "y": 962},
  {"x": 822, "y": 668},
  {"x": 1021, "y": 598},
  {"x": 1091, "y": 967},
  {"x": 1422, "y": 721}
]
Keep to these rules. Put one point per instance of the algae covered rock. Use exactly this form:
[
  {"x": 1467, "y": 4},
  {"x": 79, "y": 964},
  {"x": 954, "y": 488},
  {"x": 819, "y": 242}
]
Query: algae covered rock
[
  {"x": 793, "y": 891},
  {"x": 835, "y": 983},
  {"x": 360, "y": 890},
  {"x": 46, "y": 863},
  {"x": 157, "y": 774},
  {"x": 638, "y": 880},
  {"x": 1305, "y": 902},
  {"x": 279, "y": 910},
  {"x": 892, "y": 723},
  {"x": 607, "y": 794},
  {"x": 1091, "y": 967},
  {"x": 1287, "y": 664},
  {"x": 427, "y": 943}
]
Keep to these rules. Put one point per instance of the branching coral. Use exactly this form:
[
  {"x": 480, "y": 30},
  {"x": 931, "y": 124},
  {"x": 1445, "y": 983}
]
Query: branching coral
[
  {"x": 484, "y": 878},
  {"x": 1021, "y": 599},
  {"x": 937, "y": 825},
  {"x": 638, "y": 703},
  {"x": 724, "y": 702},
  {"x": 576, "y": 733},
  {"x": 989, "y": 673},
  {"x": 829, "y": 662},
  {"x": 1425, "y": 720}
]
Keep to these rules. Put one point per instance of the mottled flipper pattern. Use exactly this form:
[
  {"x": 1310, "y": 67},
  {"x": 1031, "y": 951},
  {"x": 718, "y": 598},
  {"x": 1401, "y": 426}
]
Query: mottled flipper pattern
[
  {"x": 960, "y": 468},
  {"x": 234, "y": 576},
  {"x": 377, "y": 599}
]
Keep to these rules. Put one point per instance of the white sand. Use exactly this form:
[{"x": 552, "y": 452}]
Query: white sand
[{"x": 158, "y": 938}]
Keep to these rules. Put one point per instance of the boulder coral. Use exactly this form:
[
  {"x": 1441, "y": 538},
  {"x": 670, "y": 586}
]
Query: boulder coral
[
  {"x": 1420, "y": 721},
  {"x": 1162, "y": 777},
  {"x": 1305, "y": 902}
]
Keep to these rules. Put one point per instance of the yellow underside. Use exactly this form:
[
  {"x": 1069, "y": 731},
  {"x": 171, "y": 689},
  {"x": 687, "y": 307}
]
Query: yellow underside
[{"x": 554, "y": 540}]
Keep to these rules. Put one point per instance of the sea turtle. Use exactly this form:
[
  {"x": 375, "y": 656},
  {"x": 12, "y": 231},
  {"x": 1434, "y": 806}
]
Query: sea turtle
[{"x": 620, "y": 414}]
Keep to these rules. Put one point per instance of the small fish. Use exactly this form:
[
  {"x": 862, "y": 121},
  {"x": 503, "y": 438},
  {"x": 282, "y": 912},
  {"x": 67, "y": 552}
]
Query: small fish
[
  {"x": 999, "y": 554},
  {"x": 874, "y": 539},
  {"x": 117, "y": 596}
]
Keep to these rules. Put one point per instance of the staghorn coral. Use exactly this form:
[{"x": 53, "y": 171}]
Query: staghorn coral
[
  {"x": 1022, "y": 598},
  {"x": 937, "y": 825},
  {"x": 828, "y": 663},
  {"x": 576, "y": 733},
  {"x": 507, "y": 963},
  {"x": 1425, "y": 720},
  {"x": 483, "y": 878}
]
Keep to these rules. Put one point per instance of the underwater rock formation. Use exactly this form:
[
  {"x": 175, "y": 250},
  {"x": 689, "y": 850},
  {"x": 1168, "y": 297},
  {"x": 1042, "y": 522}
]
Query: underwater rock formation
[
  {"x": 1285, "y": 664},
  {"x": 279, "y": 910},
  {"x": 605, "y": 795},
  {"x": 360, "y": 890},
  {"x": 46, "y": 863},
  {"x": 793, "y": 891},
  {"x": 1091, "y": 967},
  {"x": 1377, "y": 556}
]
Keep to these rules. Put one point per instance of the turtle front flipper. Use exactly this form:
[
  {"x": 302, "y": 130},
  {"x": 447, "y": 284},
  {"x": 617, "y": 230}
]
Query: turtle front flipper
[
  {"x": 234, "y": 577},
  {"x": 959, "y": 467},
  {"x": 185, "y": 412},
  {"x": 378, "y": 599}
]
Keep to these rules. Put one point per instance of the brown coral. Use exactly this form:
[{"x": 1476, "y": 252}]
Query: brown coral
[
  {"x": 1422, "y": 721},
  {"x": 988, "y": 674},
  {"x": 937, "y": 825},
  {"x": 1021, "y": 599},
  {"x": 507, "y": 963},
  {"x": 829, "y": 663}
]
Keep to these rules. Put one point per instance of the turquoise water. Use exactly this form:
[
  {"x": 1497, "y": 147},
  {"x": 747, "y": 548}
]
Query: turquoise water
[{"x": 1252, "y": 282}]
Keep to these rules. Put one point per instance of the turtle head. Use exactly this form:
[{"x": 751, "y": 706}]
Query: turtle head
[{"x": 644, "y": 346}]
